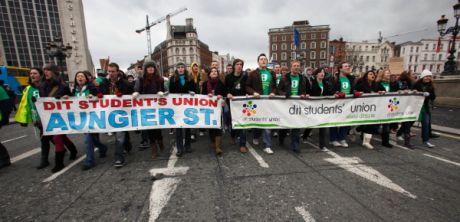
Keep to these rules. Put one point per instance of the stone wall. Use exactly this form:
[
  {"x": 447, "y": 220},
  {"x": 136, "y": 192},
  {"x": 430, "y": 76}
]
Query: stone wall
[{"x": 447, "y": 92}]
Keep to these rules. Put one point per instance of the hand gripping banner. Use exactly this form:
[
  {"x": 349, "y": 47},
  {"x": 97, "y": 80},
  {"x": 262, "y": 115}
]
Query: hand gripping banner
[
  {"x": 317, "y": 112},
  {"x": 112, "y": 113}
]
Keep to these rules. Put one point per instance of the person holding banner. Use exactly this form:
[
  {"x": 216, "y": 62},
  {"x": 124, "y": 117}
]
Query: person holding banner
[
  {"x": 384, "y": 83},
  {"x": 294, "y": 84},
  {"x": 425, "y": 84},
  {"x": 27, "y": 113},
  {"x": 214, "y": 87},
  {"x": 5, "y": 111},
  {"x": 198, "y": 78},
  {"x": 405, "y": 85},
  {"x": 84, "y": 88},
  {"x": 344, "y": 85},
  {"x": 115, "y": 84},
  {"x": 235, "y": 84},
  {"x": 151, "y": 83},
  {"x": 319, "y": 87},
  {"x": 182, "y": 83},
  {"x": 262, "y": 81},
  {"x": 53, "y": 86}
]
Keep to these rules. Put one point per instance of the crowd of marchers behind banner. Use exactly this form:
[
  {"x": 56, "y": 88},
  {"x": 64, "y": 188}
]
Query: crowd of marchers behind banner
[{"x": 235, "y": 81}]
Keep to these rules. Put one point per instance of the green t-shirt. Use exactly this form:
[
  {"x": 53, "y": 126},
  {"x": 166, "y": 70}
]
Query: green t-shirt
[
  {"x": 386, "y": 86},
  {"x": 3, "y": 94},
  {"x": 33, "y": 93},
  {"x": 321, "y": 86},
  {"x": 278, "y": 79},
  {"x": 345, "y": 86},
  {"x": 266, "y": 80},
  {"x": 295, "y": 80}
]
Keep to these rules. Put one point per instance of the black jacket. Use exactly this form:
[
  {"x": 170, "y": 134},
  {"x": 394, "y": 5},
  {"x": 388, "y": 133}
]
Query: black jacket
[
  {"x": 232, "y": 81},
  {"x": 176, "y": 87},
  {"x": 424, "y": 87},
  {"x": 218, "y": 90},
  {"x": 122, "y": 85},
  {"x": 284, "y": 87},
  {"x": 315, "y": 90},
  {"x": 53, "y": 88},
  {"x": 363, "y": 86}
]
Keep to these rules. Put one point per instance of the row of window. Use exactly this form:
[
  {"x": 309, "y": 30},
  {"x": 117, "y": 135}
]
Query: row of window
[
  {"x": 432, "y": 67},
  {"x": 184, "y": 51},
  {"x": 303, "y": 36},
  {"x": 312, "y": 64},
  {"x": 366, "y": 59},
  {"x": 303, "y": 45},
  {"x": 322, "y": 55}
]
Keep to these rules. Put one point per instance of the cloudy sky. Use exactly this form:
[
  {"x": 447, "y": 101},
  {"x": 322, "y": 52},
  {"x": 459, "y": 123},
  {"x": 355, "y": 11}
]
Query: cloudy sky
[{"x": 240, "y": 27}]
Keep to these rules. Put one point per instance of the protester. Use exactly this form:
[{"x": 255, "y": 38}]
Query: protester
[
  {"x": 115, "y": 84},
  {"x": 262, "y": 81},
  {"x": 182, "y": 83},
  {"x": 198, "y": 79},
  {"x": 425, "y": 84},
  {"x": 405, "y": 85},
  {"x": 214, "y": 87},
  {"x": 151, "y": 83},
  {"x": 294, "y": 84},
  {"x": 5, "y": 110},
  {"x": 235, "y": 86},
  {"x": 384, "y": 83}
]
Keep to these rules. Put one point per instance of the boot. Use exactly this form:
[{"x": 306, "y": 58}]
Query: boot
[
  {"x": 367, "y": 141},
  {"x": 4, "y": 157},
  {"x": 58, "y": 162},
  {"x": 154, "y": 150},
  {"x": 44, "y": 158},
  {"x": 73, "y": 151},
  {"x": 218, "y": 145},
  {"x": 386, "y": 140},
  {"x": 407, "y": 141}
]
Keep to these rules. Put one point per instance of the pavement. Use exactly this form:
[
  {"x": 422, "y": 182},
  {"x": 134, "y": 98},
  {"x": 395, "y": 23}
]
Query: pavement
[{"x": 342, "y": 184}]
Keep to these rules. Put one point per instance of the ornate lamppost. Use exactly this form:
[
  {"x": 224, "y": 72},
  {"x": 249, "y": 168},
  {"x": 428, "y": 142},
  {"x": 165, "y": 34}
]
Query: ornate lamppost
[
  {"x": 57, "y": 49},
  {"x": 450, "y": 67}
]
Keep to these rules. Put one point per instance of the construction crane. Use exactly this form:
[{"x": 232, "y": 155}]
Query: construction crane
[{"x": 159, "y": 20}]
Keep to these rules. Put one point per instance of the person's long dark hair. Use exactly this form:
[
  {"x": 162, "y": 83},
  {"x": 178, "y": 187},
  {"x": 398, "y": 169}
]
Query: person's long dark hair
[{"x": 40, "y": 72}]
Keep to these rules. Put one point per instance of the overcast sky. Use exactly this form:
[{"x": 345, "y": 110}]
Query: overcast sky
[{"x": 240, "y": 27}]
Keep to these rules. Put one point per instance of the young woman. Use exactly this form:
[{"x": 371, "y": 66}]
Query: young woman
[
  {"x": 84, "y": 88},
  {"x": 425, "y": 84},
  {"x": 151, "y": 83},
  {"x": 27, "y": 113},
  {"x": 384, "y": 83},
  {"x": 405, "y": 85},
  {"x": 214, "y": 87}
]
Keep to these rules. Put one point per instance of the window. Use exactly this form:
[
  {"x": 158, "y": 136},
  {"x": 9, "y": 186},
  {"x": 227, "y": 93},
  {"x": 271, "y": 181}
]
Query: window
[
  {"x": 313, "y": 65},
  {"x": 293, "y": 56},
  {"x": 411, "y": 49},
  {"x": 283, "y": 38},
  {"x": 423, "y": 67},
  {"x": 323, "y": 36},
  {"x": 366, "y": 47},
  {"x": 433, "y": 57},
  {"x": 312, "y": 45},
  {"x": 274, "y": 38},
  {"x": 426, "y": 48},
  {"x": 373, "y": 58},
  {"x": 191, "y": 50},
  {"x": 313, "y": 36},
  {"x": 323, "y": 44},
  {"x": 283, "y": 56},
  {"x": 434, "y": 47},
  {"x": 425, "y": 57},
  {"x": 410, "y": 58},
  {"x": 292, "y": 46},
  {"x": 416, "y": 58},
  {"x": 274, "y": 56},
  {"x": 416, "y": 49},
  {"x": 283, "y": 46},
  {"x": 367, "y": 58},
  {"x": 322, "y": 55},
  {"x": 440, "y": 57},
  {"x": 312, "y": 55},
  {"x": 303, "y": 37},
  {"x": 184, "y": 51},
  {"x": 274, "y": 47},
  {"x": 303, "y": 45},
  {"x": 177, "y": 51},
  {"x": 415, "y": 68}
]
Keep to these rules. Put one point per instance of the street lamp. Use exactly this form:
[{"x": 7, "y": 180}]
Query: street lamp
[
  {"x": 57, "y": 49},
  {"x": 450, "y": 67}
]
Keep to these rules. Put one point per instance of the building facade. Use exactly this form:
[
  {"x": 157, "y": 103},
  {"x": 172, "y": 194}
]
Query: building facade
[
  {"x": 27, "y": 26},
  {"x": 424, "y": 54},
  {"x": 337, "y": 52},
  {"x": 365, "y": 55},
  {"x": 312, "y": 50}
]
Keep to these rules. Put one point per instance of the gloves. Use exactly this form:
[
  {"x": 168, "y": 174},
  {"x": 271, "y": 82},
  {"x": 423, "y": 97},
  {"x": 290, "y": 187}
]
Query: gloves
[
  {"x": 191, "y": 93},
  {"x": 426, "y": 94},
  {"x": 135, "y": 95},
  {"x": 34, "y": 99},
  {"x": 100, "y": 95},
  {"x": 340, "y": 95},
  {"x": 357, "y": 94},
  {"x": 161, "y": 94},
  {"x": 119, "y": 94}
]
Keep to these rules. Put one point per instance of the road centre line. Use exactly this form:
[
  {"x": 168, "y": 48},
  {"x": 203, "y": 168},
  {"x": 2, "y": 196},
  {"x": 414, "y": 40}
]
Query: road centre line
[
  {"x": 259, "y": 158},
  {"x": 25, "y": 155}
]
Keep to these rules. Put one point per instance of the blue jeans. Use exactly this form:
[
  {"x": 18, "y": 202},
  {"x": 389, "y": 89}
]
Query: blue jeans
[
  {"x": 266, "y": 136},
  {"x": 426, "y": 123},
  {"x": 120, "y": 139},
  {"x": 295, "y": 139},
  {"x": 180, "y": 139},
  {"x": 242, "y": 134},
  {"x": 338, "y": 133},
  {"x": 92, "y": 140}
]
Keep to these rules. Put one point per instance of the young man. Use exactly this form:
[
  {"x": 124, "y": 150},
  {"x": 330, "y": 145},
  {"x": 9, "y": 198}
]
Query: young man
[
  {"x": 262, "y": 82},
  {"x": 294, "y": 84},
  {"x": 115, "y": 84}
]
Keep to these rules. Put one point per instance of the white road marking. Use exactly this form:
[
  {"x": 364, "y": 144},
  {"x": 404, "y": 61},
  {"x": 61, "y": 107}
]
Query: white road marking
[
  {"x": 442, "y": 159},
  {"x": 25, "y": 155},
  {"x": 259, "y": 159},
  {"x": 16, "y": 138},
  {"x": 57, "y": 174},
  {"x": 305, "y": 214},
  {"x": 164, "y": 188},
  {"x": 354, "y": 165}
]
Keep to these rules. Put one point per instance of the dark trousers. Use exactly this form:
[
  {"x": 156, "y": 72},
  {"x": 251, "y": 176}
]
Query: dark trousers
[
  {"x": 154, "y": 135},
  {"x": 181, "y": 146},
  {"x": 4, "y": 156}
]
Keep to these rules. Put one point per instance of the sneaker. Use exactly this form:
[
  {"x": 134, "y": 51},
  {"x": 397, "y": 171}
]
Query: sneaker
[
  {"x": 243, "y": 149},
  {"x": 304, "y": 140},
  {"x": 201, "y": 133},
  {"x": 255, "y": 141},
  {"x": 275, "y": 134},
  {"x": 193, "y": 138},
  {"x": 86, "y": 167},
  {"x": 336, "y": 144},
  {"x": 429, "y": 145},
  {"x": 323, "y": 148},
  {"x": 268, "y": 150},
  {"x": 171, "y": 131},
  {"x": 109, "y": 134},
  {"x": 344, "y": 143},
  {"x": 118, "y": 164},
  {"x": 400, "y": 138}
]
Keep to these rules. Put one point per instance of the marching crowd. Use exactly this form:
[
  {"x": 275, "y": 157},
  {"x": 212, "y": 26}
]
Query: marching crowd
[{"x": 235, "y": 81}]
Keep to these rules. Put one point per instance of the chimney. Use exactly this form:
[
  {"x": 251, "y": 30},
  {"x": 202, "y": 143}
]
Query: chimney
[{"x": 189, "y": 22}]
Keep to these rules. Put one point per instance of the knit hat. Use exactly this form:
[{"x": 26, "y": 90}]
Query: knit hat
[
  {"x": 51, "y": 67},
  {"x": 425, "y": 72},
  {"x": 180, "y": 64},
  {"x": 150, "y": 64}
]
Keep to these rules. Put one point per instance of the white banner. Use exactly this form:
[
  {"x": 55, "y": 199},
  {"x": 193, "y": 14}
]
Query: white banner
[
  {"x": 317, "y": 112},
  {"x": 112, "y": 113}
]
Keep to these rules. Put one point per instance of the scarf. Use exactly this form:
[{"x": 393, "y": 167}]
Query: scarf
[{"x": 211, "y": 85}]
